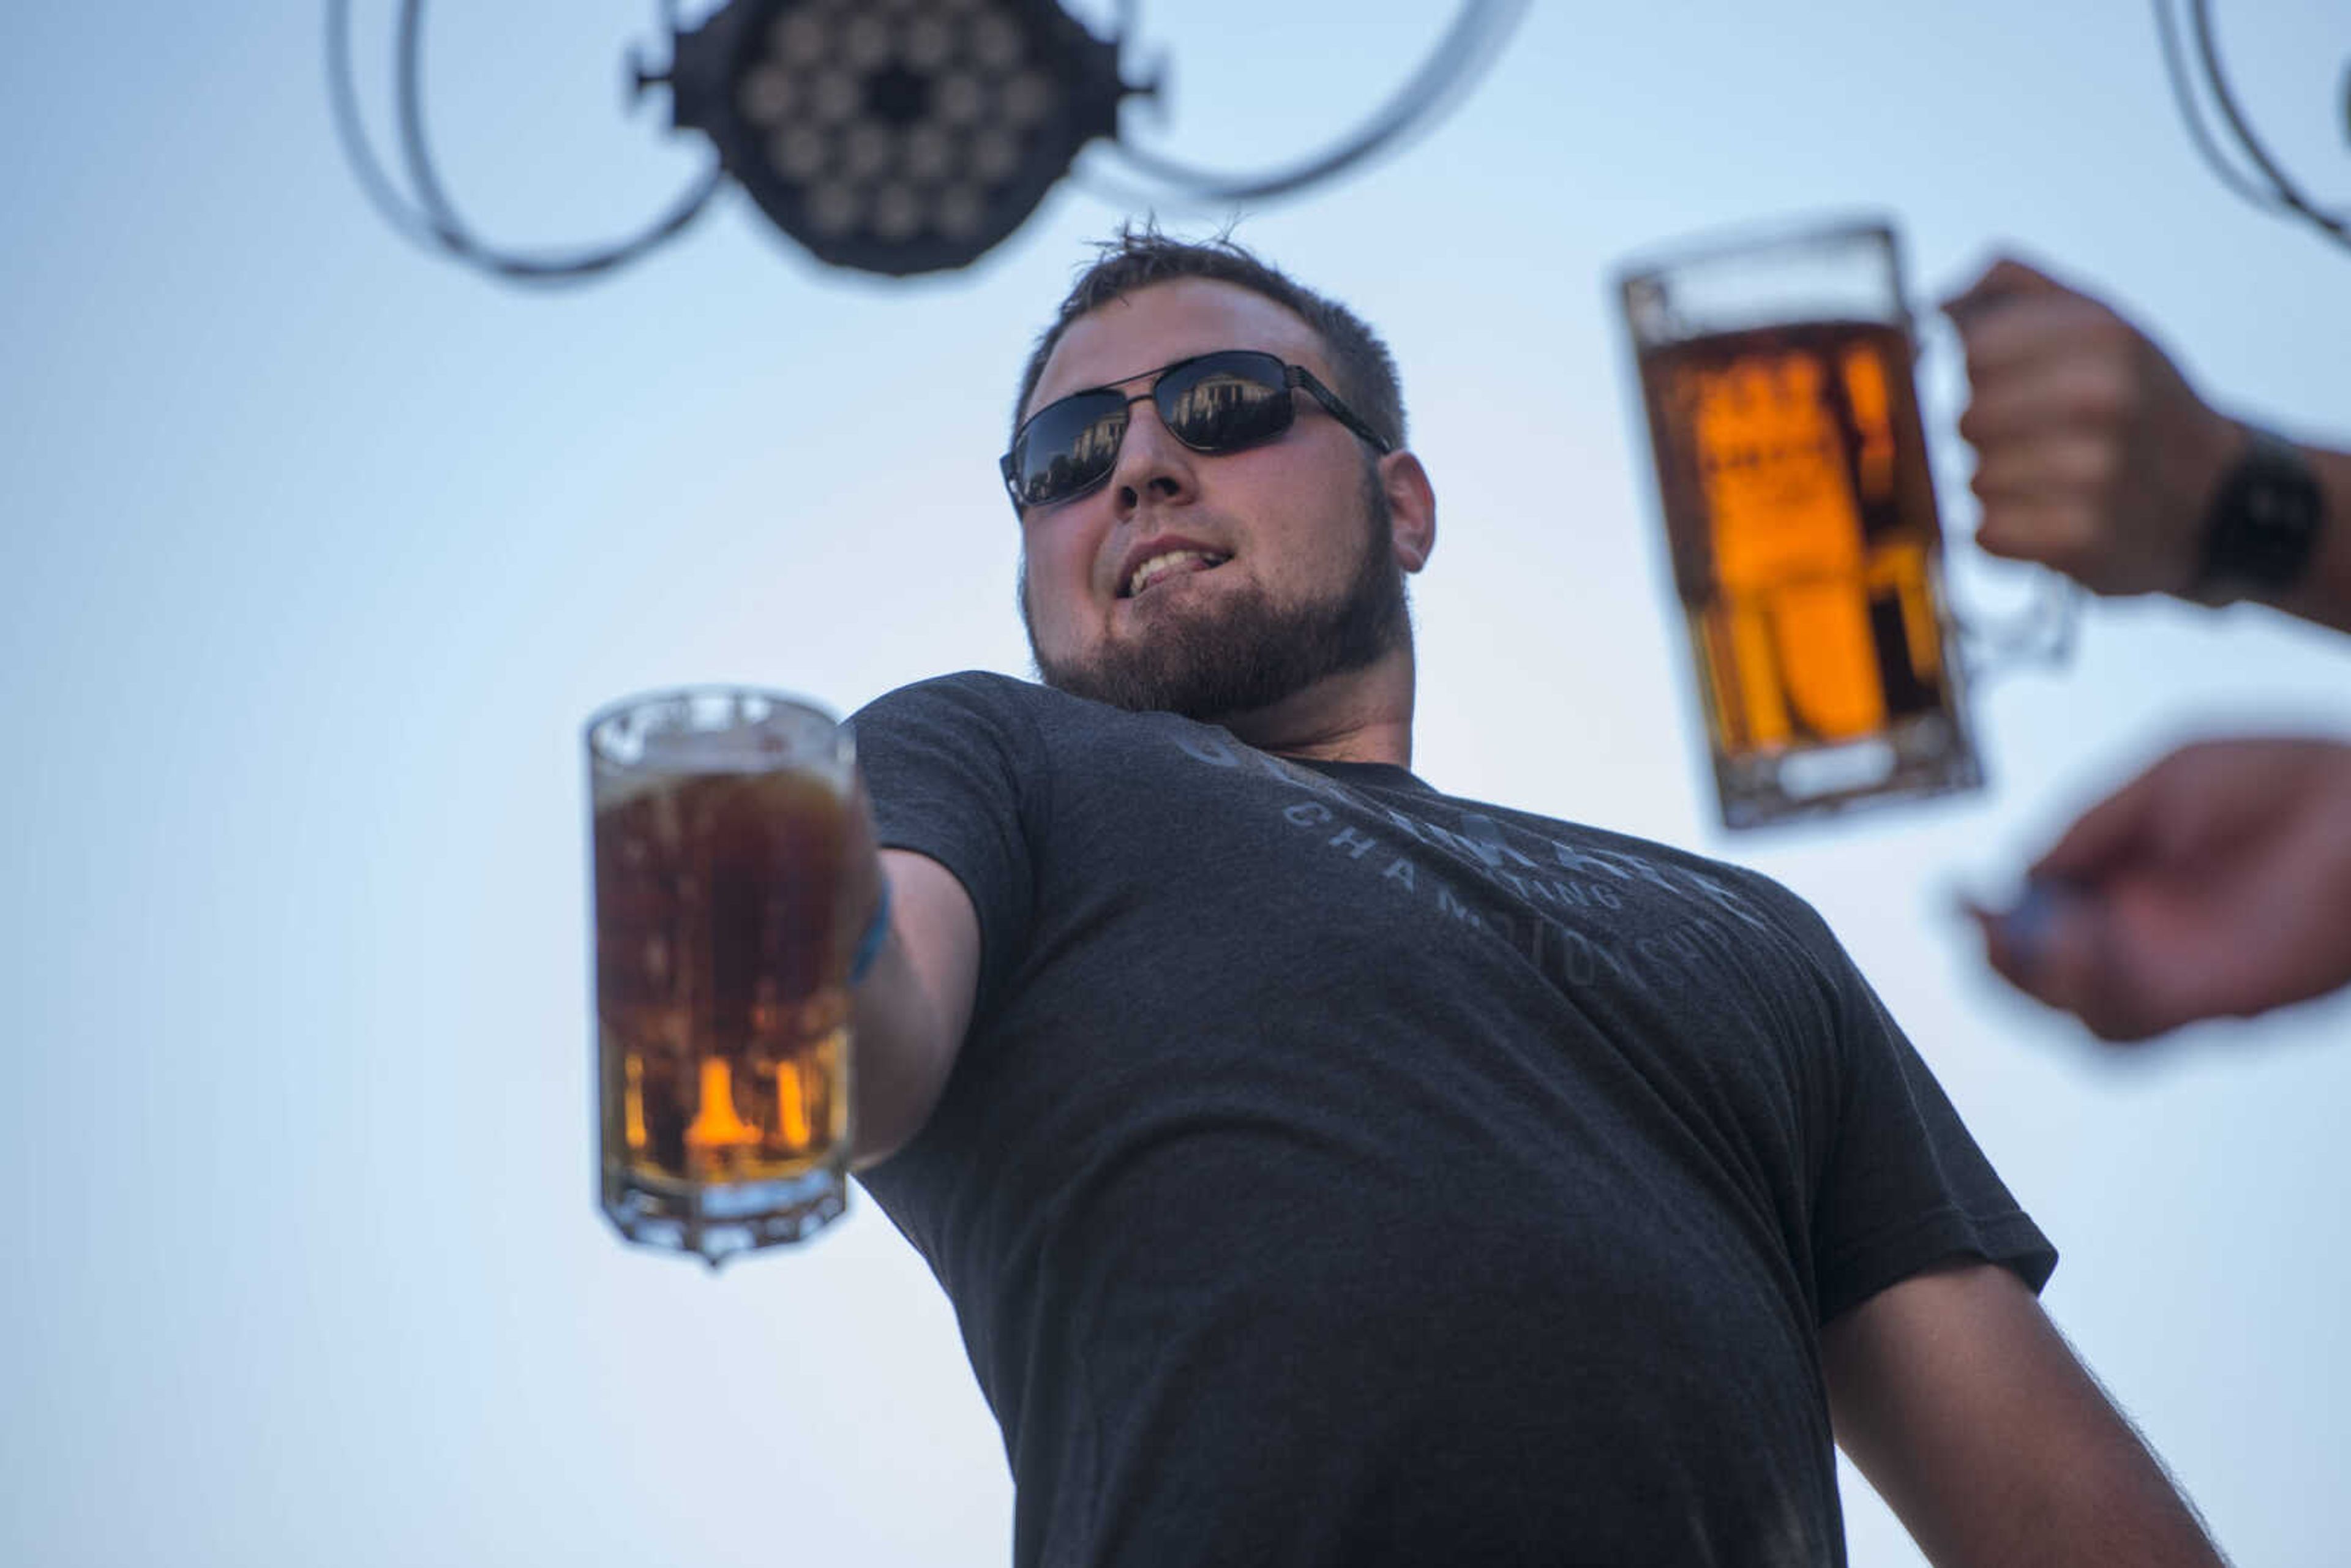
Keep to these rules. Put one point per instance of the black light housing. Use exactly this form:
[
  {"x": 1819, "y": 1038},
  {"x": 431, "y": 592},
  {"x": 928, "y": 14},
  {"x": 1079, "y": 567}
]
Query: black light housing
[
  {"x": 896, "y": 136},
  {"x": 892, "y": 136}
]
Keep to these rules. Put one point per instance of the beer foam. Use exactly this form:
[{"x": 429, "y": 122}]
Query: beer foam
[
  {"x": 744, "y": 749},
  {"x": 617, "y": 788},
  {"x": 666, "y": 741}
]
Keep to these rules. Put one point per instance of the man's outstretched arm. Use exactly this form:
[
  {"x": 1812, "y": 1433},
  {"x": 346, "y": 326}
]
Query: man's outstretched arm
[
  {"x": 912, "y": 1009},
  {"x": 1956, "y": 1398}
]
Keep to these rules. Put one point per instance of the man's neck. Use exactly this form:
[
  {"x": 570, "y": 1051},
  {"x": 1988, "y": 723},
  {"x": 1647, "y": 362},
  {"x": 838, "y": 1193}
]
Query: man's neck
[{"x": 1362, "y": 715}]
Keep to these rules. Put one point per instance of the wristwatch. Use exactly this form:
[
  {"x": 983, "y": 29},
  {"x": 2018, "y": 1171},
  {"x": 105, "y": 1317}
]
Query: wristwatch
[{"x": 2263, "y": 525}]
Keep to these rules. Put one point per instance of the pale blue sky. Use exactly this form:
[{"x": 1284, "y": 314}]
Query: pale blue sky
[{"x": 317, "y": 550}]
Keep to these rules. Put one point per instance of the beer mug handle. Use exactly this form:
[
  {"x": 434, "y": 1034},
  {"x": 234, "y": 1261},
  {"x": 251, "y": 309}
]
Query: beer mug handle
[{"x": 2040, "y": 636}]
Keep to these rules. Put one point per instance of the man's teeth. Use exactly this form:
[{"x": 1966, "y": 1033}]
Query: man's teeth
[{"x": 1159, "y": 566}]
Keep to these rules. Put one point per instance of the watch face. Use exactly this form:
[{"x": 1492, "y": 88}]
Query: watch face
[{"x": 2263, "y": 526}]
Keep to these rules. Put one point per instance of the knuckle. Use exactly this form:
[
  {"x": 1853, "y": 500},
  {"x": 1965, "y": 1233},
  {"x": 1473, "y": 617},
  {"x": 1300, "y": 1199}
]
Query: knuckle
[
  {"x": 2098, "y": 465},
  {"x": 2105, "y": 392}
]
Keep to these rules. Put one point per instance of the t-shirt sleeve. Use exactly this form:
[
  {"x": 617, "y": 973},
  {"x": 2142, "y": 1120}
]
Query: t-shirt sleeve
[
  {"x": 954, "y": 768},
  {"x": 1902, "y": 1184}
]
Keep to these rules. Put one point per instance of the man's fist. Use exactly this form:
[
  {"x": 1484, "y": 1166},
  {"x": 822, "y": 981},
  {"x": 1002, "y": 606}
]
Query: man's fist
[{"x": 2094, "y": 456}]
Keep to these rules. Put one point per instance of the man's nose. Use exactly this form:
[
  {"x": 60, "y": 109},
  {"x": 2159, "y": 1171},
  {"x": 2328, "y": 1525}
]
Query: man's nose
[{"x": 1150, "y": 462}]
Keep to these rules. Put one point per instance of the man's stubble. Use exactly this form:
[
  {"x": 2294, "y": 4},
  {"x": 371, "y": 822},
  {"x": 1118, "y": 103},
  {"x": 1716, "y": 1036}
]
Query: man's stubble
[{"x": 1243, "y": 652}]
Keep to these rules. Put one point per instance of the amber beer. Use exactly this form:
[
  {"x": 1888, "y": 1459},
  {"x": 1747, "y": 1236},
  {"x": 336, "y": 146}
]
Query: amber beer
[
  {"x": 1800, "y": 514},
  {"x": 723, "y": 938}
]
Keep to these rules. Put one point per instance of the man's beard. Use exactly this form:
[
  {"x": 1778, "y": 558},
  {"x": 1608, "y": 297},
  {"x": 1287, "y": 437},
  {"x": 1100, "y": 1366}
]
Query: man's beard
[{"x": 1247, "y": 652}]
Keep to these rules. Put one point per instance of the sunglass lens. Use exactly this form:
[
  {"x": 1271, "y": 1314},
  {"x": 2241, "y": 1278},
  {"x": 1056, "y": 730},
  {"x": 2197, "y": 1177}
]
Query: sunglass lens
[
  {"x": 1224, "y": 401},
  {"x": 1070, "y": 447}
]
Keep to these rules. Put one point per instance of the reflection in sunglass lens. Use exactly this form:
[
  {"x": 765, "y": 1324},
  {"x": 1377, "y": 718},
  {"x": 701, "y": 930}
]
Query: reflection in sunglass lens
[
  {"x": 1217, "y": 403},
  {"x": 1218, "y": 407},
  {"x": 1070, "y": 447}
]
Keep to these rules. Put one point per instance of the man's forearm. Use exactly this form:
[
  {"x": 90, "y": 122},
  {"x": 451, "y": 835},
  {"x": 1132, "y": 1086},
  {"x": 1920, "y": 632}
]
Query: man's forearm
[
  {"x": 895, "y": 1033},
  {"x": 910, "y": 1013}
]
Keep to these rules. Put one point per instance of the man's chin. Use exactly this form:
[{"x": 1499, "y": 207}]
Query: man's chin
[
  {"x": 1183, "y": 655},
  {"x": 1217, "y": 662},
  {"x": 1219, "y": 655},
  {"x": 1162, "y": 685}
]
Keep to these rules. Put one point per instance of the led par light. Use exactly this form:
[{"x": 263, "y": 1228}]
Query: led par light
[
  {"x": 896, "y": 136},
  {"x": 890, "y": 136}
]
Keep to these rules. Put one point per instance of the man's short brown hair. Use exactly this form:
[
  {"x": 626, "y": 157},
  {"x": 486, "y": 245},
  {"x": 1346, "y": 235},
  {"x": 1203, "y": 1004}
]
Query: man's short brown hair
[{"x": 1135, "y": 258}]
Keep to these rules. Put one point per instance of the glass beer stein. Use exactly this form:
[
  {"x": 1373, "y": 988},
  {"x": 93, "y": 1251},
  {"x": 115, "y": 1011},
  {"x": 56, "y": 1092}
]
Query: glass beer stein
[
  {"x": 1800, "y": 512},
  {"x": 722, "y": 943}
]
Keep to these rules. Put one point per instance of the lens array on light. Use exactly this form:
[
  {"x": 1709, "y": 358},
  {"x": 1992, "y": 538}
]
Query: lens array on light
[{"x": 896, "y": 117}]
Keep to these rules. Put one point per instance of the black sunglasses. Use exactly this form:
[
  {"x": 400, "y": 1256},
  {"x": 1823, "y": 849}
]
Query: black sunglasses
[{"x": 1224, "y": 401}]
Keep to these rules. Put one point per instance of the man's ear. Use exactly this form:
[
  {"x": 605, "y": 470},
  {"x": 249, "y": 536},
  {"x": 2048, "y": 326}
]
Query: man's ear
[{"x": 1411, "y": 509}]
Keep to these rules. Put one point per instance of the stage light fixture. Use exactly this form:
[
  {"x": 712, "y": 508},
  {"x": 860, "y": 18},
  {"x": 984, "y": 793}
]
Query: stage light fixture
[
  {"x": 889, "y": 136},
  {"x": 896, "y": 136}
]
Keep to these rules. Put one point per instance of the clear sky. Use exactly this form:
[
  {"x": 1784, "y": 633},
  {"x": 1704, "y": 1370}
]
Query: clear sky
[{"x": 318, "y": 550}]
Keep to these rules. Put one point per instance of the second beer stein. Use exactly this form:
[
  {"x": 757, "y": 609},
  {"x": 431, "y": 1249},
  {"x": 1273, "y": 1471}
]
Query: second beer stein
[{"x": 1800, "y": 513}]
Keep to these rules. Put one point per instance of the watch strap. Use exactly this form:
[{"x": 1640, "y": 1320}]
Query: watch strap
[{"x": 2263, "y": 527}]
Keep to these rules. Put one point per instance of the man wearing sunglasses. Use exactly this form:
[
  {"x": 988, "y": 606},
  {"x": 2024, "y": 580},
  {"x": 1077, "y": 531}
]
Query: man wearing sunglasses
[{"x": 1329, "y": 1170}]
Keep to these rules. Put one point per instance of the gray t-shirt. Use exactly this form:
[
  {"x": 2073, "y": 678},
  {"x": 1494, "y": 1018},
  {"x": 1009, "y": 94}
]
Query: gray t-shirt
[{"x": 1340, "y": 1171}]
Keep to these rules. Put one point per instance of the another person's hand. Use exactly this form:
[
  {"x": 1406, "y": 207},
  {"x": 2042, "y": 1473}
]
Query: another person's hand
[
  {"x": 2094, "y": 455},
  {"x": 2218, "y": 884}
]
